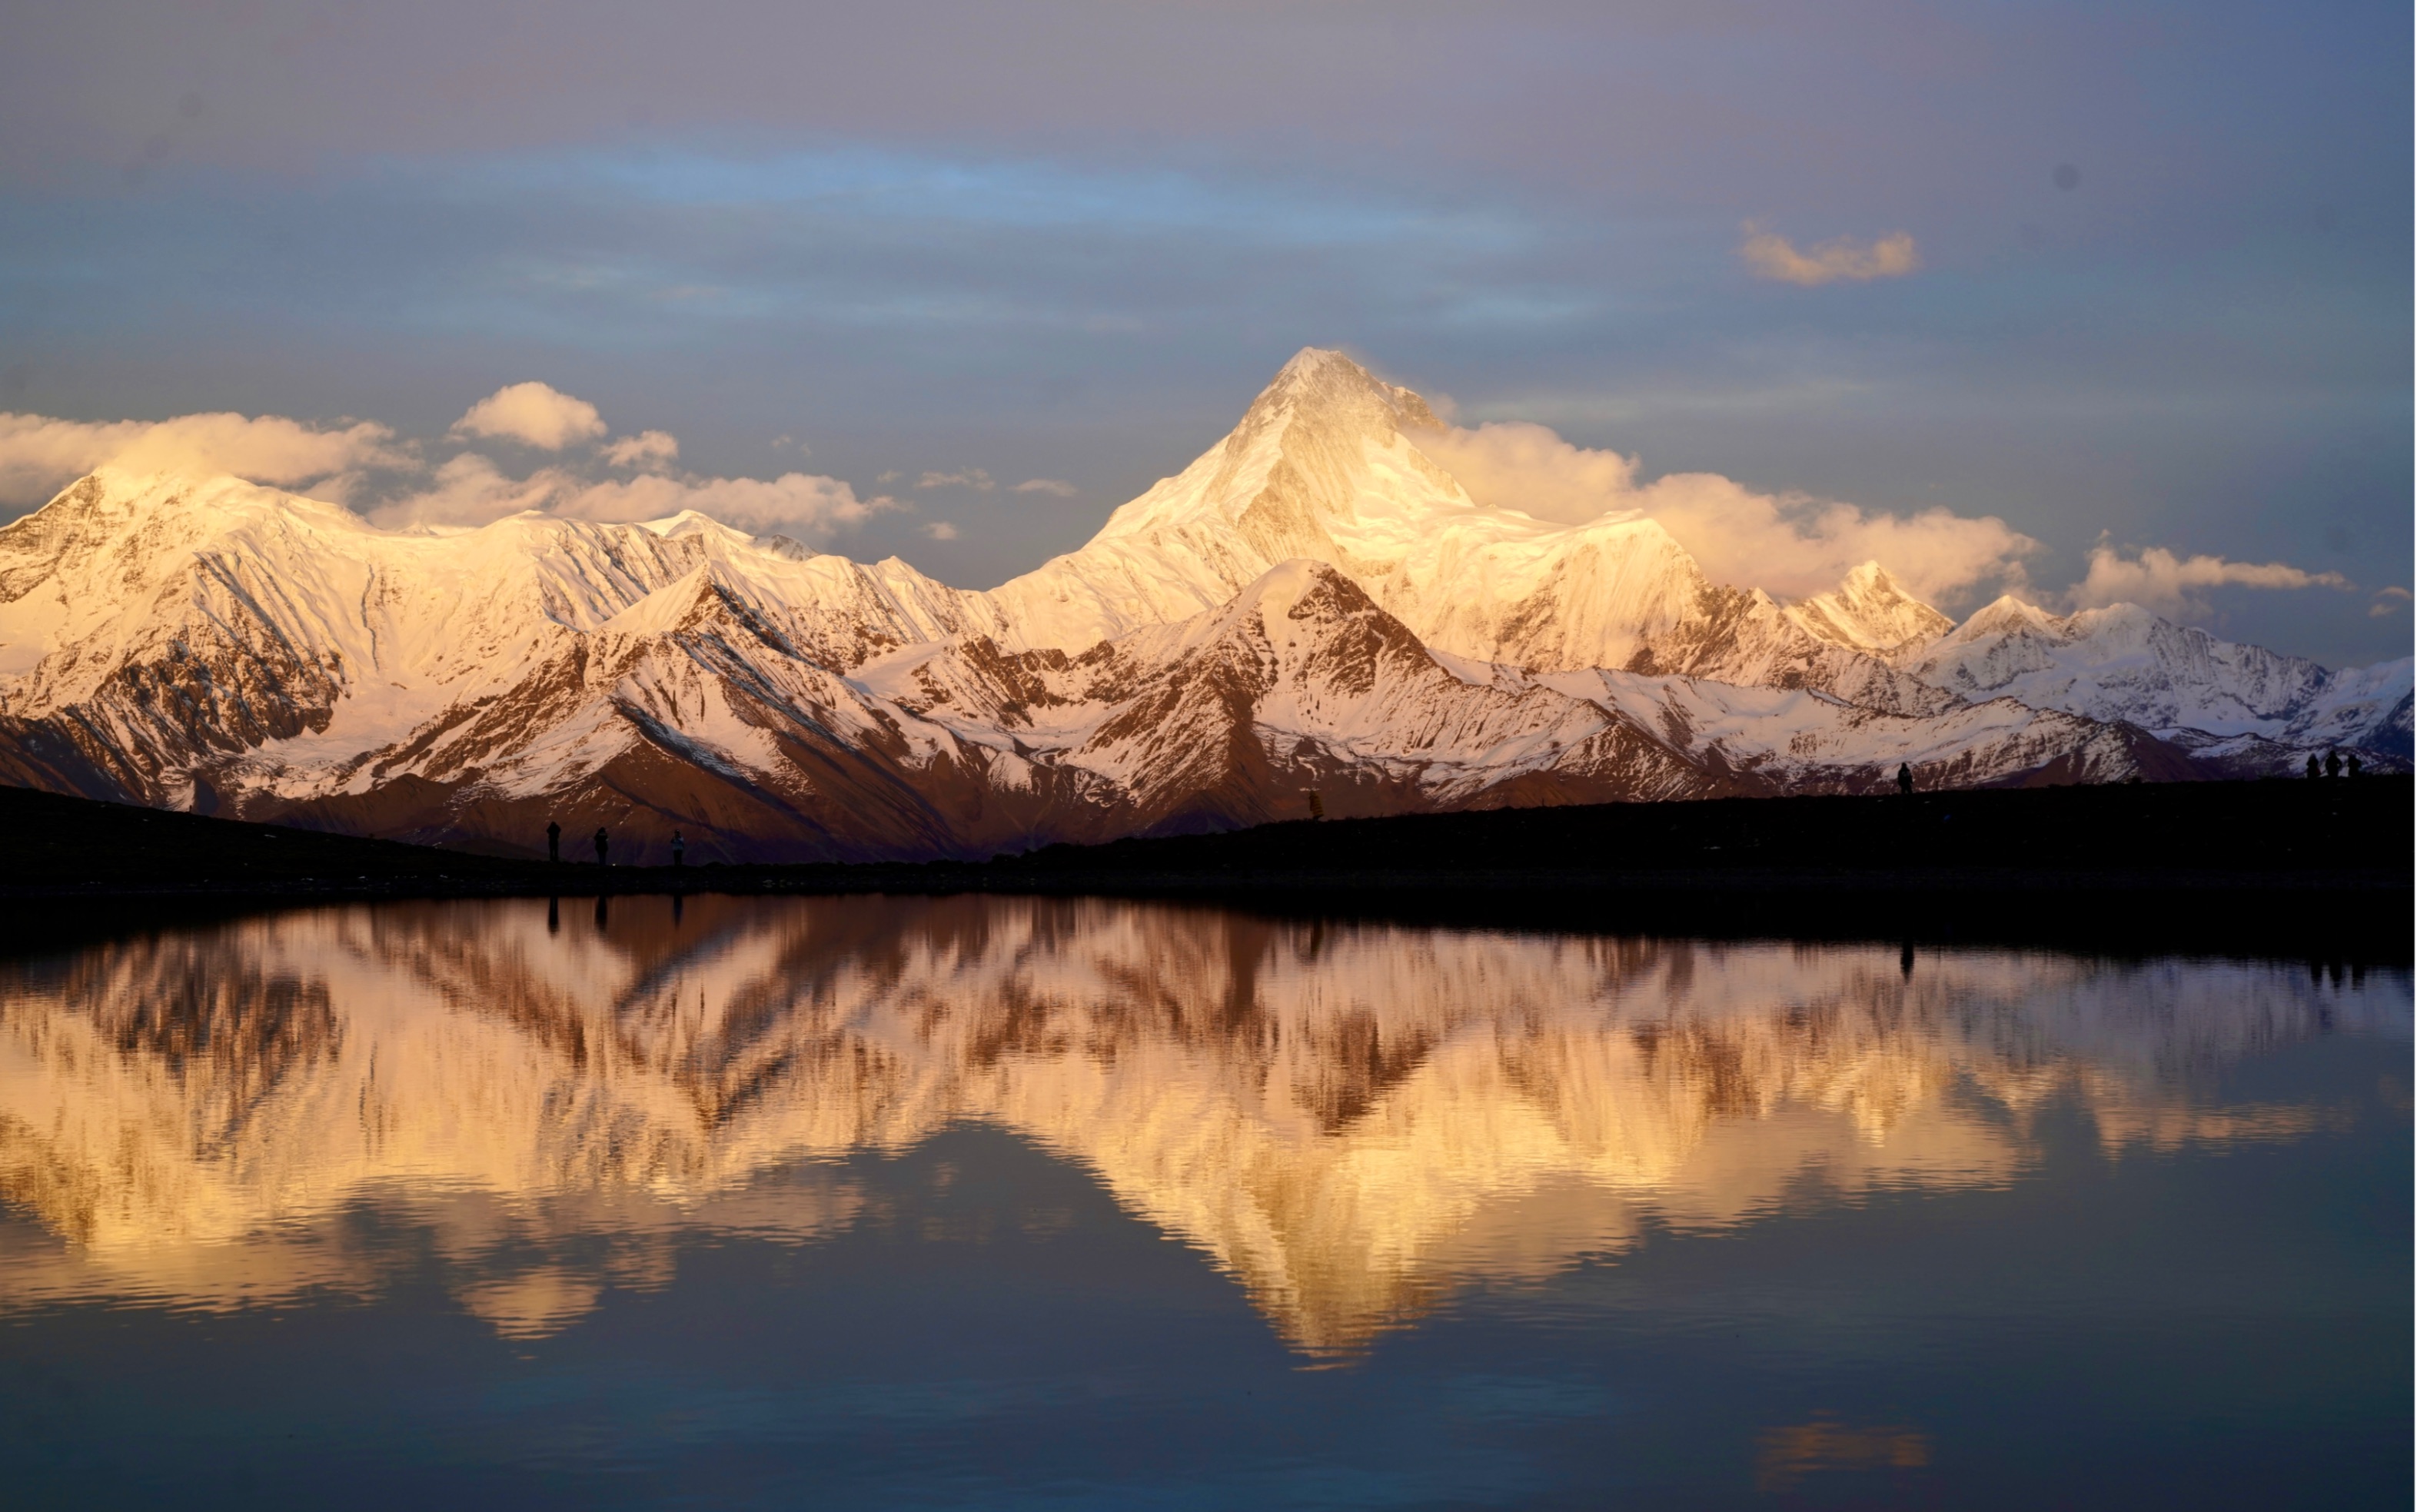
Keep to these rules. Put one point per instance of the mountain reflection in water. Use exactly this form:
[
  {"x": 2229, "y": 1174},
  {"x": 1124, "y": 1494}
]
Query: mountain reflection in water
[{"x": 1351, "y": 1120}]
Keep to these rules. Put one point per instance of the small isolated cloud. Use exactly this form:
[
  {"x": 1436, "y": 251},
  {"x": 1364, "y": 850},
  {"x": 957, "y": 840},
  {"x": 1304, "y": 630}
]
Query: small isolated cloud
[
  {"x": 533, "y": 414},
  {"x": 785, "y": 440},
  {"x": 939, "y": 530},
  {"x": 2387, "y": 601},
  {"x": 648, "y": 451},
  {"x": 885, "y": 480},
  {"x": 1788, "y": 544},
  {"x": 972, "y": 477},
  {"x": 2159, "y": 579},
  {"x": 39, "y": 455},
  {"x": 1770, "y": 255},
  {"x": 1047, "y": 485}
]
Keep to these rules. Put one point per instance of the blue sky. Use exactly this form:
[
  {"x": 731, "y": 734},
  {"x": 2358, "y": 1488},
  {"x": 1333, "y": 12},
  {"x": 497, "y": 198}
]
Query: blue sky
[{"x": 2162, "y": 292}]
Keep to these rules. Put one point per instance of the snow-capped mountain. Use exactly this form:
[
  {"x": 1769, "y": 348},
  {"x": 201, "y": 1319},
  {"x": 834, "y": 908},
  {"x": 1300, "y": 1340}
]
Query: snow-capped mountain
[
  {"x": 1312, "y": 605},
  {"x": 1326, "y": 466},
  {"x": 2125, "y": 663}
]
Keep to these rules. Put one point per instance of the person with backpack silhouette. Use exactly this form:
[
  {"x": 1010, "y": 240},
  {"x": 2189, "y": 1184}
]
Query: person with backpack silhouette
[
  {"x": 604, "y": 843},
  {"x": 2332, "y": 764},
  {"x": 1904, "y": 778},
  {"x": 2313, "y": 771},
  {"x": 680, "y": 850}
]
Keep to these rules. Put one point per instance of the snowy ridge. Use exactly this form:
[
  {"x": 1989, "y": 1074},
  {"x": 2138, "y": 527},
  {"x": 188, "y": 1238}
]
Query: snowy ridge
[{"x": 1312, "y": 605}]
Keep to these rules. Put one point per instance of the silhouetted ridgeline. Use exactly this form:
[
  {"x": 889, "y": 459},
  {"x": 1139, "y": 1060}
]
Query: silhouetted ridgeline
[{"x": 2274, "y": 867}]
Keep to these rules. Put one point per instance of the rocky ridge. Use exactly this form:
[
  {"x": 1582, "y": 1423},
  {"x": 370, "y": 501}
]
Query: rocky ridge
[{"x": 1312, "y": 605}]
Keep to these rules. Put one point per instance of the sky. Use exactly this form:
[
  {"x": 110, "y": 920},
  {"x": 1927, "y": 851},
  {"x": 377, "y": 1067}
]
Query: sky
[{"x": 2116, "y": 296}]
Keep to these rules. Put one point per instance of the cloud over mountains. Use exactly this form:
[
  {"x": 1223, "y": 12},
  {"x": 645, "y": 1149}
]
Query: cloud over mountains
[{"x": 1791, "y": 544}]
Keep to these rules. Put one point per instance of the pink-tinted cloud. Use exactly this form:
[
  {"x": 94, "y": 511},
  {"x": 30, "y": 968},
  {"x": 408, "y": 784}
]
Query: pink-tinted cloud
[
  {"x": 1770, "y": 255},
  {"x": 40, "y": 453},
  {"x": 1788, "y": 545},
  {"x": 533, "y": 414}
]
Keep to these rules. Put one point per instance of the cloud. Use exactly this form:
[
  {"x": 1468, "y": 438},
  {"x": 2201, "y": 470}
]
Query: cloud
[
  {"x": 536, "y": 414},
  {"x": 39, "y": 455},
  {"x": 793, "y": 503},
  {"x": 649, "y": 450},
  {"x": 2387, "y": 601},
  {"x": 2171, "y": 584},
  {"x": 1788, "y": 545},
  {"x": 940, "y": 530},
  {"x": 1048, "y": 485},
  {"x": 972, "y": 477},
  {"x": 1770, "y": 255},
  {"x": 470, "y": 489}
]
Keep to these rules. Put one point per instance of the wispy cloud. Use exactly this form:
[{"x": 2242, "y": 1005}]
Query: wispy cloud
[
  {"x": 1770, "y": 255},
  {"x": 1048, "y": 485},
  {"x": 2387, "y": 601},
  {"x": 972, "y": 477},
  {"x": 649, "y": 450},
  {"x": 2170, "y": 584},
  {"x": 938, "y": 529}
]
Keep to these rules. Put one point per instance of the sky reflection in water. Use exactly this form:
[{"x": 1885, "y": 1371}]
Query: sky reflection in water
[{"x": 1012, "y": 1201}]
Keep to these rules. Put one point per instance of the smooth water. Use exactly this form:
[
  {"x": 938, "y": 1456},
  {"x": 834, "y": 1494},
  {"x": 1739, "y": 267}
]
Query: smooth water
[{"x": 1036, "y": 1203}]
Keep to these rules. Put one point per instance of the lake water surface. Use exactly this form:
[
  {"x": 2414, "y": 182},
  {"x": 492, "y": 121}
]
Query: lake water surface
[{"x": 1000, "y": 1203}]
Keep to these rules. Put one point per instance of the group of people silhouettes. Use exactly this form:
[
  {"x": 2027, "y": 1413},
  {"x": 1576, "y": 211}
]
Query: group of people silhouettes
[
  {"x": 604, "y": 845},
  {"x": 2334, "y": 765}
]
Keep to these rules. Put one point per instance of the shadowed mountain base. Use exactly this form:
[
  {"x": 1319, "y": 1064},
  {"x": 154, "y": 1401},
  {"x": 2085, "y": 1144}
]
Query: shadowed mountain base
[{"x": 2276, "y": 868}]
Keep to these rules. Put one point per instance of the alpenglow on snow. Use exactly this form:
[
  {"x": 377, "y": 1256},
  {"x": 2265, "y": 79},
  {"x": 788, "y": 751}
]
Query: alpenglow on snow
[{"x": 1313, "y": 604}]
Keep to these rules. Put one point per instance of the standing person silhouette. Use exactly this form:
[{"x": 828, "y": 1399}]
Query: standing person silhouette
[
  {"x": 680, "y": 850},
  {"x": 604, "y": 843},
  {"x": 2332, "y": 764},
  {"x": 1904, "y": 778},
  {"x": 2313, "y": 770},
  {"x": 554, "y": 843}
]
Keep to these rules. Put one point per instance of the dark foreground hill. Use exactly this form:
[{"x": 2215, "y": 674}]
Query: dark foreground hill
[{"x": 2294, "y": 867}]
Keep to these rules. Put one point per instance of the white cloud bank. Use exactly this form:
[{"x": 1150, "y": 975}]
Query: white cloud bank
[
  {"x": 535, "y": 414},
  {"x": 470, "y": 489},
  {"x": 40, "y": 453},
  {"x": 2159, "y": 579},
  {"x": 1769, "y": 255},
  {"x": 1791, "y": 546}
]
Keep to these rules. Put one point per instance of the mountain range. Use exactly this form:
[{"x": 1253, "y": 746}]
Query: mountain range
[{"x": 1312, "y": 607}]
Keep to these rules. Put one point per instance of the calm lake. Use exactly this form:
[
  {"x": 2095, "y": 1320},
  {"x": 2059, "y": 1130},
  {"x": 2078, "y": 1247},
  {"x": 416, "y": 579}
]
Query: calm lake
[{"x": 1005, "y": 1202}]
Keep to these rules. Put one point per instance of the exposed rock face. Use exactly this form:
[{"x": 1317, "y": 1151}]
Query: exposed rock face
[{"x": 1312, "y": 604}]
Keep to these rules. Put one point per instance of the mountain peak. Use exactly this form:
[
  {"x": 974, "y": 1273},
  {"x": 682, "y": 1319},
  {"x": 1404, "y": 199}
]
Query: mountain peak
[
  {"x": 1330, "y": 392},
  {"x": 1870, "y": 611}
]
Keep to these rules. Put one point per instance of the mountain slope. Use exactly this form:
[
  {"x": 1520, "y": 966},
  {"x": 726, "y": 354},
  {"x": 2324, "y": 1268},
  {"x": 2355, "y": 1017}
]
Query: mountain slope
[
  {"x": 1312, "y": 605},
  {"x": 2123, "y": 662},
  {"x": 1326, "y": 466}
]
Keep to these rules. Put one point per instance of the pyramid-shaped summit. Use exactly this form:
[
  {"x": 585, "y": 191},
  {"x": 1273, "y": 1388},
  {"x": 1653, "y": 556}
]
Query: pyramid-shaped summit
[{"x": 1314, "y": 602}]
